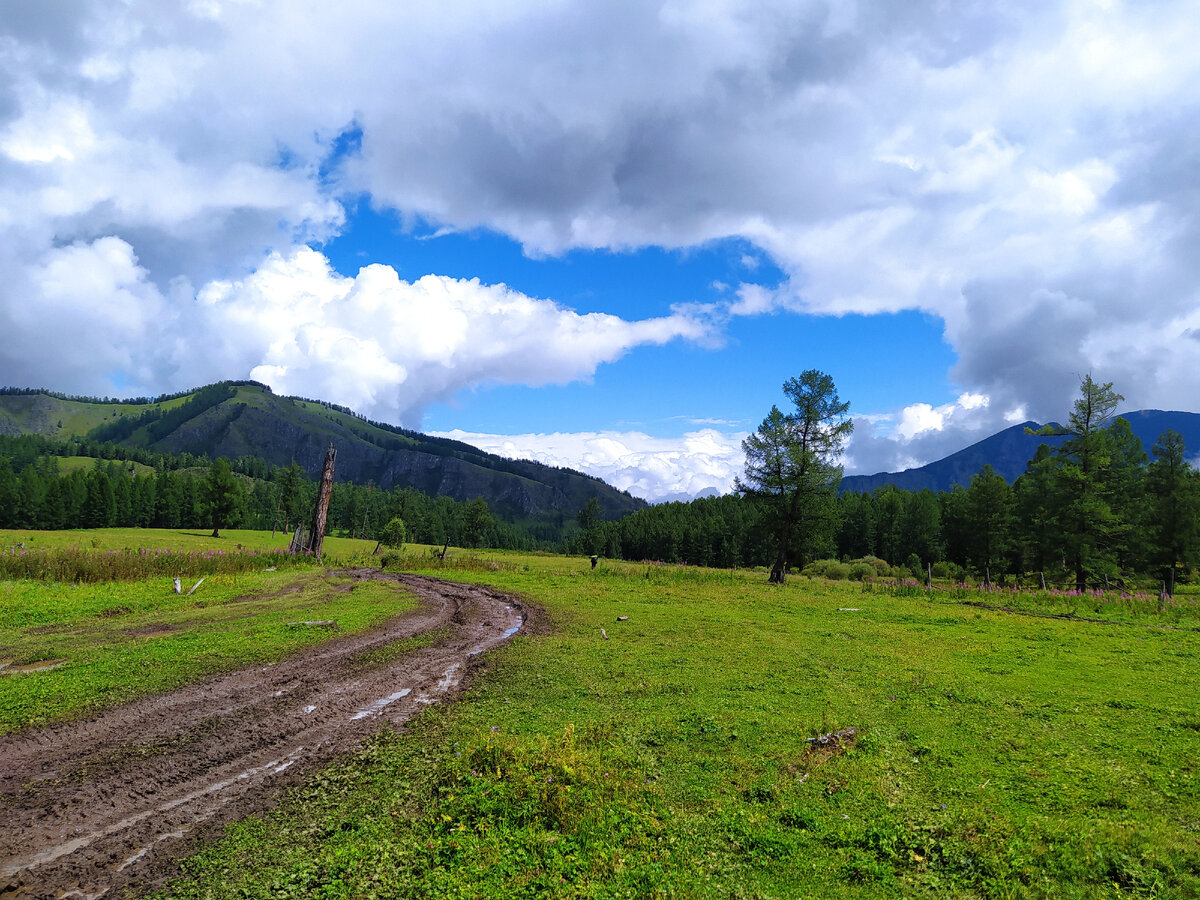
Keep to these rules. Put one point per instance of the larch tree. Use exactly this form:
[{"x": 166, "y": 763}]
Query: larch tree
[
  {"x": 792, "y": 466},
  {"x": 222, "y": 496},
  {"x": 989, "y": 504},
  {"x": 1174, "y": 493},
  {"x": 1085, "y": 517}
]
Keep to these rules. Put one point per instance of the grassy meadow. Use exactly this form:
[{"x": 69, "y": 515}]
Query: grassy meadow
[{"x": 995, "y": 754}]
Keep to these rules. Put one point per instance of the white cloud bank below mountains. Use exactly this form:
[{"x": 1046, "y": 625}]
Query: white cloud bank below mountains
[{"x": 699, "y": 463}]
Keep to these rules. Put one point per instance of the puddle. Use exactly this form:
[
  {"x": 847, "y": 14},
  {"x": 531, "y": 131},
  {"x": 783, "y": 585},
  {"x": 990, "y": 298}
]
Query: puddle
[
  {"x": 8, "y": 667},
  {"x": 448, "y": 680},
  {"x": 375, "y": 707}
]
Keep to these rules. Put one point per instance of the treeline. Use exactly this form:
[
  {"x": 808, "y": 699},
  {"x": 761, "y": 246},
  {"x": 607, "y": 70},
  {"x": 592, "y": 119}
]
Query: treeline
[
  {"x": 134, "y": 401},
  {"x": 22, "y": 450},
  {"x": 1095, "y": 509},
  {"x": 39, "y": 491}
]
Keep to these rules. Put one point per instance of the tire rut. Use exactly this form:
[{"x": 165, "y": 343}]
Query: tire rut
[{"x": 93, "y": 806}]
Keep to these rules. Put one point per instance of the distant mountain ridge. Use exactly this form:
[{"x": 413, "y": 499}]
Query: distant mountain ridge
[
  {"x": 1009, "y": 450},
  {"x": 245, "y": 419}
]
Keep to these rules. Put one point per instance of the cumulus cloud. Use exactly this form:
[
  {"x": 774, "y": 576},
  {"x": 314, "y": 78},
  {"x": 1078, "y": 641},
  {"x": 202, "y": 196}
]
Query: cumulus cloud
[
  {"x": 699, "y": 463},
  {"x": 390, "y": 348},
  {"x": 918, "y": 434}
]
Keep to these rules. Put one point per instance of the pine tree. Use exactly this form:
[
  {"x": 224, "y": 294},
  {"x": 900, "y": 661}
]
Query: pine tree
[
  {"x": 792, "y": 468},
  {"x": 221, "y": 496}
]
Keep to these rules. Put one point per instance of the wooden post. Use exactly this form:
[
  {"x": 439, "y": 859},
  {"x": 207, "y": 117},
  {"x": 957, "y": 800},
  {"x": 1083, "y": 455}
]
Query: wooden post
[
  {"x": 317, "y": 538},
  {"x": 929, "y": 576}
]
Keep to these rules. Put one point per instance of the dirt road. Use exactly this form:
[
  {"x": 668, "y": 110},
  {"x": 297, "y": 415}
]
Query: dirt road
[{"x": 87, "y": 808}]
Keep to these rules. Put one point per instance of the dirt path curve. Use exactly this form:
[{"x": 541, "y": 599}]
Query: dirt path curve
[{"x": 89, "y": 807}]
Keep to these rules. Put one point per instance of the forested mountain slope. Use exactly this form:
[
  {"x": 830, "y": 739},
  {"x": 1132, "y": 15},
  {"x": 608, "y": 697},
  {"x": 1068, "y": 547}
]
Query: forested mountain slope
[{"x": 245, "y": 419}]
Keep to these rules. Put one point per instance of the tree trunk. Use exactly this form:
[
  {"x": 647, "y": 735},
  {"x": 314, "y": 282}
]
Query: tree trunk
[
  {"x": 317, "y": 538},
  {"x": 216, "y": 533},
  {"x": 779, "y": 570}
]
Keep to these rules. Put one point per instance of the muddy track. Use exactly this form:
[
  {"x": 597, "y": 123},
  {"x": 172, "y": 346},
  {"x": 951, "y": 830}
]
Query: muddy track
[{"x": 93, "y": 808}]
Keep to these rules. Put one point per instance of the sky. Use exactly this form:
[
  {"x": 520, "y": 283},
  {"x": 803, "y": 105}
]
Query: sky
[{"x": 603, "y": 234}]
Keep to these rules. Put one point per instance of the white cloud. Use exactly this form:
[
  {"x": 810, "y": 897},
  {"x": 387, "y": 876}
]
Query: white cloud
[
  {"x": 1024, "y": 170},
  {"x": 390, "y": 348},
  {"x": 920, "y": 433},
  {"x": 698, "y": 463}
]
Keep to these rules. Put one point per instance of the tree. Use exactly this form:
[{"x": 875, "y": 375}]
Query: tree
[
  {"x": 1174, "y": 489},
  {"x": 291, "y": 495},
  {"x": 221, "y": 496},
  {"x": 476, "y": 521},
  {"x": 792, "y": 469},
  {"x": 989, "y": 506},
  {"x": 1084, "y": 516},
  {"x": 921, "y": 528},
  {"x": 393, "y": 533},
  {"x": 589, "y": 519}
]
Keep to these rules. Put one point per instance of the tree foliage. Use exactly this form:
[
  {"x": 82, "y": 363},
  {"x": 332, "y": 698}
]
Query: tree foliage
[
  {"x": 393, "y": 533},
  {"x": 792, "y": 468},
  {"x": 222, "y": 496}
]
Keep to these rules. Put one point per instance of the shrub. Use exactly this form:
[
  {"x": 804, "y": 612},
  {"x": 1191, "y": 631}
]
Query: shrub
[
  {"x": 393, "y": 534},
  {"x": 945, "y": 569},
  {"x": 861, "y": 570},
  {"x": 827, "y": 568}
]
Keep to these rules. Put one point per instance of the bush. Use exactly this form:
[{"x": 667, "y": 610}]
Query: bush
[
  {"x": 861, "y": 570},
  {"x": 879, "y": 565},
  {"x": 945, "y": 569},
  {"x": 827, "y": 568},
  {"x": 393, "y": 534}
]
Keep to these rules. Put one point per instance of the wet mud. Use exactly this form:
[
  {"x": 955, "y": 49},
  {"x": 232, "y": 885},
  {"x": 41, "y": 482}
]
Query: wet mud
[{"x": 102, "y": 807}]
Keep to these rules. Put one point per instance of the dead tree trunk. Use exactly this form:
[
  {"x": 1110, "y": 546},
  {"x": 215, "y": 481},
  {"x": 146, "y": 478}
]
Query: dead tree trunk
[{"x": 317, "y": 537}]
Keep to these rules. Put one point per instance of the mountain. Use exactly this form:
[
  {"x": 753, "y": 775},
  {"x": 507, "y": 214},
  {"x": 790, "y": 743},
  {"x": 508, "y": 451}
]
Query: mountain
[
  {"x": 1009, "y": 450},
  {"x": 244, "y": 418}
]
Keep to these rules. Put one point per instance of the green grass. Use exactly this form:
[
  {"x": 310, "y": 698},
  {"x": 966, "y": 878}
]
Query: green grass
[
  {"x": 72, "y": 648},
  {"x": 186, "y": 540},
  {"x": 998, "y": 755}
]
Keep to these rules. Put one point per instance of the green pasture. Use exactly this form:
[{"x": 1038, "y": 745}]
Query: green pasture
[
  {"x": 995, "y": 754},
  {"x": 337, "y": 548},
  {"x": 67, "y": 649}
]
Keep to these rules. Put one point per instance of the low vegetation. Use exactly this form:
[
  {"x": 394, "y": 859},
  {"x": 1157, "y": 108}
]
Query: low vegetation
[
  {"x": 993, "y": 754},
  {"x": 87, "y": 625},
  {"x": 656, "y": 742}
]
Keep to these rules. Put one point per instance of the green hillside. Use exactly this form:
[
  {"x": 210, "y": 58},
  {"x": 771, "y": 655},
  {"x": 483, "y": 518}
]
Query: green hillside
[{"x": 245, "y": 419}]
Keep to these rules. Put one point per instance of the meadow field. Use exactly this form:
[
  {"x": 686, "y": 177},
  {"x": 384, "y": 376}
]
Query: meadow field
[{"x": 652, "y": 738}]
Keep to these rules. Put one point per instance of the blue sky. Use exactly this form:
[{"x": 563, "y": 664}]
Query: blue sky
[
  {"x": 669, "y": 389},
  {"x": 602, "y": 235}
]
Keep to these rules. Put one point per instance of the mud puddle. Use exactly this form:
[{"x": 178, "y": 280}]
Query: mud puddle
[{"x": 103, "y": 806}]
